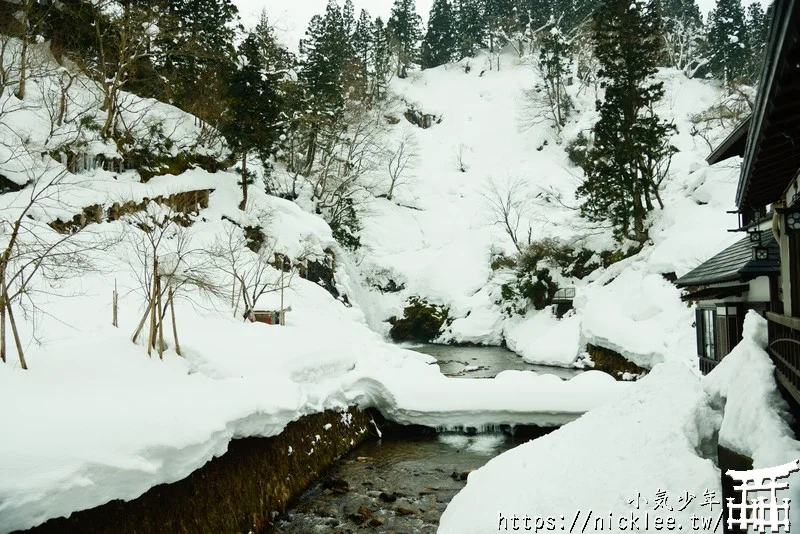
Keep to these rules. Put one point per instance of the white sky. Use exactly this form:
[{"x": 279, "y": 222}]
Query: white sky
[{"x": 290, "y": 17}]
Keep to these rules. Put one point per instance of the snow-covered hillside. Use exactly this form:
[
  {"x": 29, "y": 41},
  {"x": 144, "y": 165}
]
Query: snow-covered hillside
[
  {"x": 437, "y": 240},
  {"x": 95, "y": 419}
]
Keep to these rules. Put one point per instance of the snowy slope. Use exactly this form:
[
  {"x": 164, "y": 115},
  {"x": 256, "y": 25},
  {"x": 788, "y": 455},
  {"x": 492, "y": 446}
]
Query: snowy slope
[
  {"x": 659, "y": 438},
  {"x": 437, "y": 238},
  {"x": 95, "y": 419}
]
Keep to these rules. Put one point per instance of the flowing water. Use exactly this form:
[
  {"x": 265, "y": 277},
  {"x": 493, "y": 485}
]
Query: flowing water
[
  {"x": 402, "y": 483},
  {"x": 485, "y": 362}
]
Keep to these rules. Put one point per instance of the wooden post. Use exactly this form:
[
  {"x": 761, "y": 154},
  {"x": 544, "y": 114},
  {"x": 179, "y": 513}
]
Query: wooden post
[
  {"x": 114, "y": 301},
  {"x": 280, "y": 319},
  {"x": 141, "y": 324},
  {"x": 14, "y": 328},
  {"x": 3, "y": 313},
  {"x": 151, "y": 340},
  {"x": 160, "y": 323},
  {"x": 174, "y": 325}
]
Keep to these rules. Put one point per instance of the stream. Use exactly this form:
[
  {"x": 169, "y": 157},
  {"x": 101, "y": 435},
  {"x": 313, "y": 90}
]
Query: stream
[{"x": 402, "y": 482}]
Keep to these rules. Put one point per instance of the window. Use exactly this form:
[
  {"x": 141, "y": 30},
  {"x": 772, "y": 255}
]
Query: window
[
  {"x": 719, "y": 330},
  {"x": 709, "y": 334}
]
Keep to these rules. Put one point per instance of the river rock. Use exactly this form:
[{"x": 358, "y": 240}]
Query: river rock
[
  {"x": 337, "y": 485},
  {"x": 387, "y": 497}
]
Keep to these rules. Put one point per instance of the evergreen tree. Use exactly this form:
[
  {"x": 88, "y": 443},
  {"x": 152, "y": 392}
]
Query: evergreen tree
[
  {"x": 195, "y": 36},
  {"x": 470, "y": 26},
  {"x": 405, "y": 33},
  {"x": 349, "y": 17},
  {"x": 631, "y": 151},
  {"x": 326, "y": 52},
  {"x": 554, "y": 65},
  {"x": 757, "y": 35},
  {"x": 727, "y": 42},
  {"x": 329, "y": 73},
  {"x": 381, "y": 59},
  {"x": 440, "y": 43},
  {"x": 364, "y": 43},
  {"x": 683, "y": 33},
  {"x": 255, "y": 107}
]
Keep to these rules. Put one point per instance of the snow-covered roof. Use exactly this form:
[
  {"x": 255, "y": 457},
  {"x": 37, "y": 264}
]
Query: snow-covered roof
[
  {"x": 735, "y": 263},
  {"x": 733, "y": 145}
]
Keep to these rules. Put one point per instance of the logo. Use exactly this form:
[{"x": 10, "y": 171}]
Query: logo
[{"x": 755, "y": 510}]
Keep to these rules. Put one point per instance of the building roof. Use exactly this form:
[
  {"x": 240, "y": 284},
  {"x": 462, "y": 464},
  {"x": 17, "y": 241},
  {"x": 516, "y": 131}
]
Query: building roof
[
  {"x": 735, "y": 264},
  {"x": 770, "y": 161},
  {"x": 716, "y": 292},
  {"x": 733, "y": 145}
]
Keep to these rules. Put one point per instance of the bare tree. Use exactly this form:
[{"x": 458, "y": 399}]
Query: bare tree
[
  {"x": 401, "y": 159},
  {"x": 124, "y": 34},
  {"x": 461, "y": 157},
  {"x": 251, "y": 274},
  {"x": 720, "y": 119},
  {"x": 34, "y": 257},
  {"x": 507, "y": 204},
  {"x": 168, "y": 265}
]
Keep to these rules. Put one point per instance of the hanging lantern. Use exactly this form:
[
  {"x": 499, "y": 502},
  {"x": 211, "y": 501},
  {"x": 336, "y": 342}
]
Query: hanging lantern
[
  {"x": 760, "y": 253},
  {"x": 791, "y": 220},
  {"x": 791, "y": 215},
  {"x": 755, "y": 235}
]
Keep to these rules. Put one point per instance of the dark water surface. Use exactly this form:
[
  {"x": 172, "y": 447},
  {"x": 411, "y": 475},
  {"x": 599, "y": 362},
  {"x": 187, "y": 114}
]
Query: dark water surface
[
  {"x": 485, "y": 362},
  {"x": 402, "y": 484},
  {"x": 399, "y": 485}
]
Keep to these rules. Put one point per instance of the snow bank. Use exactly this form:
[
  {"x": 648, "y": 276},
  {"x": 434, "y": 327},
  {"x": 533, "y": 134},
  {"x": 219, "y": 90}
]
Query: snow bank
[
  {"x": 756, "y": 420},
  {"x": 543, "y": 339},
  {"x": 651, "y": 439},
  {"x": 95, "y": 419},
  {"x": 511, "y": 398}
]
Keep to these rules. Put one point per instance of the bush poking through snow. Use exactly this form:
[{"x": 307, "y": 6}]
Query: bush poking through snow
[
  {"x": 614, "y": 363},
  {"x": 421, "y": 321}
]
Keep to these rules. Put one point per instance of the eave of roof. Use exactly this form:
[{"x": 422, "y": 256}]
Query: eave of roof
[
  {"x": 733, "y": 145},
  {"x": 769, "y": 155},
  {"x": 735, "y": 264},
  {"x": 712, "y": 293}
]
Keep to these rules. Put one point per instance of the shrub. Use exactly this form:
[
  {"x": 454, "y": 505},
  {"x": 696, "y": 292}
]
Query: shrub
[
  {"x": 577, "y": 150},
  {"x": 421, "y": 321}
]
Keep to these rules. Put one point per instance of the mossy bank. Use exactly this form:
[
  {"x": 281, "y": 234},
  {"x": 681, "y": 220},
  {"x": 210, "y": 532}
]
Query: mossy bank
[{"x": 240, "y": 491}]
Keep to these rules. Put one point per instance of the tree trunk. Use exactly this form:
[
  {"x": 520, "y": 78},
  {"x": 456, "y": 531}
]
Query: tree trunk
[
  {"x": 151, "y": 339},
  {"x": 17, "y": 341},
  {"x": 174, "y": 324},
  {"x": 23, "y": 57},
  {"x": 243, "y": 204},
  {"x": 23, "y": 68},
  {"x": 160, "y": 323},
  {"x": 141, "y": 324},
  {"x": 3, "y": 314}
]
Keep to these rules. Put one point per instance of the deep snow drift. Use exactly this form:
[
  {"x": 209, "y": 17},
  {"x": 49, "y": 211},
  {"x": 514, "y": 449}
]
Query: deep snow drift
[
  {"x": 94, "y": 419},
  {"x": 657, "y": 439}
]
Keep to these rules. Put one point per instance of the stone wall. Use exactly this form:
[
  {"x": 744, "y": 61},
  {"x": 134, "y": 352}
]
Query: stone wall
[
  {"x": 612, "y": 362},
  {"x": 240, "y": 491}
]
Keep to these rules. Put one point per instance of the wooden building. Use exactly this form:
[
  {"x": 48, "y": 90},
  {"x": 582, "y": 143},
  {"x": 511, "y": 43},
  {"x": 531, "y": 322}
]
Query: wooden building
[
  {"x": 768, "y": 194},
  {"x": 739, "y": 278}
]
